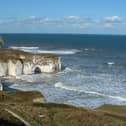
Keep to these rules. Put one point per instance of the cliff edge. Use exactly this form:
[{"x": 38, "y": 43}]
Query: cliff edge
[{"x": 20, "y": 109}]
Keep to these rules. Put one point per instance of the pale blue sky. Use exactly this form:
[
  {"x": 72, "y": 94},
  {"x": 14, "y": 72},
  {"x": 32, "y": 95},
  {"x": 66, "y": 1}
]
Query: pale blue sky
[{"x": 63, "y": 16}]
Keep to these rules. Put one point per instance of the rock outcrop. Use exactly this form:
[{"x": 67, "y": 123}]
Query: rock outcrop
[
  {"x": 1, "y": 41},
  {"x": 15, "y": 62},
  {"x": 1, "y": 86}
]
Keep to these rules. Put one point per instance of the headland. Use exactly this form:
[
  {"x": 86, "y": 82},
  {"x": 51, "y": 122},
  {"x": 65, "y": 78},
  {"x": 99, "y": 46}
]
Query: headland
[{"x": 15, "y": 62}]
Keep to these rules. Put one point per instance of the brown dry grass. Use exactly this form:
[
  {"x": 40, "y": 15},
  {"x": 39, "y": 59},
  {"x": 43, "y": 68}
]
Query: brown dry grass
[
  {"x": 51, "y": 114},
  {"x": 6, "y": 54}
]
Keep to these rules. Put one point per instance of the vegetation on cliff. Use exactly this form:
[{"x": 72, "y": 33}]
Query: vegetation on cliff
[
  {"x": 33, "y": 112},
  {"x": 6, "y": 54}
]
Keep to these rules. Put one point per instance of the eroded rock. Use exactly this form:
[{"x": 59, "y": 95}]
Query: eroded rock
[{"x": 15, "y": 62}]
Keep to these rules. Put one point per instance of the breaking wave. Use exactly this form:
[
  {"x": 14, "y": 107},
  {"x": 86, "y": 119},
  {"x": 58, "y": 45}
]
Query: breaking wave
[
  {"x": 110, "y": 63},
  {"x": 24, "y": 48},
  {"x": 61, "y": 85},
  {"x": 89, "y": 49},
  {"x": 67, "y": 70},
  {"x": 37, "y": 50}
]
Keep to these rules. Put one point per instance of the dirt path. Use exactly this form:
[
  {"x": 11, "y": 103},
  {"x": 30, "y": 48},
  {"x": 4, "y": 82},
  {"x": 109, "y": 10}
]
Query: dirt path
[{"x": 18, "y": 117}]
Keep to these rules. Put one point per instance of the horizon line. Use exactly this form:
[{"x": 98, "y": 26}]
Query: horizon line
[{"x": 63, "y": 33}]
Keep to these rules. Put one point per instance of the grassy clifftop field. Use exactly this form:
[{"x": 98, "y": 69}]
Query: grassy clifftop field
[{"x": 30, "y": 108}]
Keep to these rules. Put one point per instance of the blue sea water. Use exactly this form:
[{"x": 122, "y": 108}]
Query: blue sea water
[{"x": 93, "y": 67}]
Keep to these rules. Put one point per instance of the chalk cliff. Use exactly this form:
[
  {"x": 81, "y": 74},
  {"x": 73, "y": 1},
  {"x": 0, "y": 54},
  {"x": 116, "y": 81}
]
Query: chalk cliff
[{"x": 15, "y": 62}]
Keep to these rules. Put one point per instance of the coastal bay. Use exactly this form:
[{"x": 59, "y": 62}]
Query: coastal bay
[
  {"x": 92, "y": 73},
  {"x": 72, "y": 92}
]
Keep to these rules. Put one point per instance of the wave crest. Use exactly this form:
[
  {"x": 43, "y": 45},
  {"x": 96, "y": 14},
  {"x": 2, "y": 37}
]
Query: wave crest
[
  {"x": 24, "y": 48},
  {"x": 70, "y": 88},
  {"x": 111, "y": 63},
  {"x": 37, "y": 50},
  {"x": 67, "y": 70}
]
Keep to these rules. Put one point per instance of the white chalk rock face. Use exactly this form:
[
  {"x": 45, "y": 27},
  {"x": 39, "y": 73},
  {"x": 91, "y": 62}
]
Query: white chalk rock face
[
  {"x": 19, "y": 68},
  {"x": 1, "y": 86},
  {"x": 15, "y": 63},
  {"x": 59, "y": 64},
  {"x": 3, "y": 69},
  {"x": 12, "y": 68},
  {"x": 49, "y": 68},
  {"x": 27, "y": 68}
]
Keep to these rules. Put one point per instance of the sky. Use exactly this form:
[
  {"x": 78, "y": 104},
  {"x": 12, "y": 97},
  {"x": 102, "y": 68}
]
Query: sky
[{"x": 63, "y": 16}]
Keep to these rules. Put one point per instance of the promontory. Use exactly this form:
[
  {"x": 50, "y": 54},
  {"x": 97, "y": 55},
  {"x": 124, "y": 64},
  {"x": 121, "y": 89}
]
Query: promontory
[{"x": 15, "y": 62}]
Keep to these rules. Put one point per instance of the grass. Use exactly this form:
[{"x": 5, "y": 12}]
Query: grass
[
  {"x": 6, "y": 54},
  {"x": 52, "y": 114},
  {"x": 19, "y": 97},
  {"x": 115, "y": 111},
  {"x": 7, "y": 119}
]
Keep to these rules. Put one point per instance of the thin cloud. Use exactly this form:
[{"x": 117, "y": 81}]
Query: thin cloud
[
  {"x": 108, "y": 25},
  {"x": 47, "y": 20},
  {"x": 113, "y": 19},
  {"x": 68, "y": 22}
]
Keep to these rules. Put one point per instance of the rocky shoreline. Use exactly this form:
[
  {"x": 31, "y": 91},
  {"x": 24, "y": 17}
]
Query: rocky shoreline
[
  {"x": 1, "y": 85},
  {"x": 29, "y": 108}
]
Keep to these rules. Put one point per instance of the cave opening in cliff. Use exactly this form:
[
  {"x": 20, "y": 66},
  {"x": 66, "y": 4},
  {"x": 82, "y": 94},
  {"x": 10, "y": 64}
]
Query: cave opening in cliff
[{"x": 37, "y": 70}]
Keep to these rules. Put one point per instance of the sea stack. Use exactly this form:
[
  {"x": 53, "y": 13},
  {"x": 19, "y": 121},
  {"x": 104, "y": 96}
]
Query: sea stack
[
  {"x": 1, "y": 41},
  {"x": 15, "y": 62},
  {"x": 1, "y": 85}
]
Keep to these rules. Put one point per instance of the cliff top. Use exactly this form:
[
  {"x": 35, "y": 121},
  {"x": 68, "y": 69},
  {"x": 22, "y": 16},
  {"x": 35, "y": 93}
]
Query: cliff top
[
  {"x": 48, "y": 114},
  {"x": 1, "y": 41},
  {"x": 17, "y": 54}
]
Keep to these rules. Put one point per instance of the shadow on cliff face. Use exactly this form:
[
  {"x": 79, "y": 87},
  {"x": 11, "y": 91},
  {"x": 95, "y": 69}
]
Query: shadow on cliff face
[
  {"x": 9, "y": 123},
  {"x": 63, "y": 68},
  {"x": 6, "y": 86},
  {"x": 37, "y": 70}
]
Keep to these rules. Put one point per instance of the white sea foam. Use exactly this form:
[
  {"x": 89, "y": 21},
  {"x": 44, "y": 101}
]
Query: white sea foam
[
  {"x": 26, "y": 78},
  {"x": 37, "y": 50},
  {"x": 24, "y": 48},
  {"x": 89, "y": 49},
  {"x": 67, "y": 69},
  {"x": 61, "y": 85},
  {"x": 110, "y": 63},
  {"x": 62, "y": 52}
]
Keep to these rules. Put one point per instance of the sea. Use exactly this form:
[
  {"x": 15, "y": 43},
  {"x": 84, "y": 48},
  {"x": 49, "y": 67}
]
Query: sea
[{"x": 93, "y": 68}]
